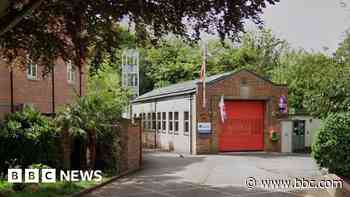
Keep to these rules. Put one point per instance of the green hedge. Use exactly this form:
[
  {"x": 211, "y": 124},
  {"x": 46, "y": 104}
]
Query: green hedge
[
  {"x": 332, "y": 146},
  {"x": 27, "y": 137}
]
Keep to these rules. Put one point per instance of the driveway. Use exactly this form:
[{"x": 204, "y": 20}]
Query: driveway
[{"x": 170, "y": 175}]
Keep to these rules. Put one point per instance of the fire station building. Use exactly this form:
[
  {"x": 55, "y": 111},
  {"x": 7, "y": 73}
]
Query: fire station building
[{"x": 241, "y": 111}]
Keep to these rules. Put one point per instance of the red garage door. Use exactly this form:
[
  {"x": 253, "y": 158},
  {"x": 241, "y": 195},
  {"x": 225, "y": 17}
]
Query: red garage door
[{"x": 243, "y": 129}]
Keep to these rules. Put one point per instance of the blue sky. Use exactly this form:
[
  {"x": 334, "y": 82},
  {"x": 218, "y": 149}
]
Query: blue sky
[{"x": 310, "y": 24}]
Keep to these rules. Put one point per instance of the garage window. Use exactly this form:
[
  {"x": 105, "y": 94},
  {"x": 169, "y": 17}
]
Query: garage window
[
  {"x": 154, "y": 126},
  {"x": 143, "y": 116},
  {"x": 186, "y": 122},
  {"x": 170, "y": 121},
  {"x": 135, "y": 116},
  {"x": 148, "y": 121},
  {"x": 176, "y": 123},
  {"x": 159, "y": 122},
  {"x": 164, "y": 122}
]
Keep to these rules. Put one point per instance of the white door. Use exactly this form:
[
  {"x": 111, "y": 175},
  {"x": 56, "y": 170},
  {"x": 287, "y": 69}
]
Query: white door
[{"x": 287, "y": 127}]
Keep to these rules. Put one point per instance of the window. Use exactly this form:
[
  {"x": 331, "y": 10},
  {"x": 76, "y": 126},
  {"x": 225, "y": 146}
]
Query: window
[
  {"x": 143, "y": 116},
  {"x": 148, "y": 120},
  {"x": 159, "y": 122},
  {"x": 32, "y": 71},
  {"x": 154, "y": 121},
  {"x": 170, "y": 122},
  {"x": 138, "y": 116},
  {"x": 186, "y": 122},
  {"x": 164, "y": 122},
  {"x": 132, "y": 80},
  {"x": 71, "y": 72},
  {"x": 176, "y": 123}
]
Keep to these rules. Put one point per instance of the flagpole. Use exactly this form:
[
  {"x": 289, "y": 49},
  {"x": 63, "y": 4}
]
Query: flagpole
[{"x": 205, "y": 51}]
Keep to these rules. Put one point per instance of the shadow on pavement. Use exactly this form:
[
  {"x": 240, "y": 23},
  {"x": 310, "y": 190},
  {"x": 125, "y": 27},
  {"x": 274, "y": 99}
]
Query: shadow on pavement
[{"x": 164, "y": 182}]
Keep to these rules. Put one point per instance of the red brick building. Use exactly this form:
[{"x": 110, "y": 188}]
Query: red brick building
[
  {"x": 47, "y": 93},
  {"x": 252, "y": 108},
  {"x": 175, "y": 118}
]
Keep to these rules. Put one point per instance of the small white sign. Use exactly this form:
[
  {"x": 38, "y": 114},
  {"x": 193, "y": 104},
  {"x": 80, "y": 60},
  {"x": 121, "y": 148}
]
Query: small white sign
[{"x": 204, "y": 127}]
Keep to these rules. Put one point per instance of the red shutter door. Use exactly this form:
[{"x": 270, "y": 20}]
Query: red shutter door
[{"x": 243, "y": 129}]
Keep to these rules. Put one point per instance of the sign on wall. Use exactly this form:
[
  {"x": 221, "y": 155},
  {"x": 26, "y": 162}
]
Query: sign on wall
[
  {"x": 204, "y": 127},
  {"x": 283, "y": 104}
]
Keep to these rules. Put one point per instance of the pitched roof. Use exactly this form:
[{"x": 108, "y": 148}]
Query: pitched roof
[
  {"x": 177, "y": 89},
  {"x": 188, "y": 87}
]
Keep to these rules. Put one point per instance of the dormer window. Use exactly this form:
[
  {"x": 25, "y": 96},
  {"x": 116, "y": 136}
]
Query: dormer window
[
  {"x": 32, "y": 71},
  {"x": 71, "y": 72}
]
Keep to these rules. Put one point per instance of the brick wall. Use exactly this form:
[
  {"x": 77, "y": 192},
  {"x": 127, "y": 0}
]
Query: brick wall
[
  {"x": 230, "y": 87},
  {"x": 134, "y": 147},
  {"x": 38, "y": 92},
  {"x": 131, "y": 145},
  {"x": 5, "y": 94},
  {"x": 130, "y": 151}
]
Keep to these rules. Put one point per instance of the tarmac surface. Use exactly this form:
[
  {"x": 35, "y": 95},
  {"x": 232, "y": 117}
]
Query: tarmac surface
[{"x": 224, "y": 175}]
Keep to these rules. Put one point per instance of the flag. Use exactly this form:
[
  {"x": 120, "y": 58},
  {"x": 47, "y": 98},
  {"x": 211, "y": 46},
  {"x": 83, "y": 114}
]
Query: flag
[
  {"x": 202, "y": 75},
  {"x": 222, "y": 109}
]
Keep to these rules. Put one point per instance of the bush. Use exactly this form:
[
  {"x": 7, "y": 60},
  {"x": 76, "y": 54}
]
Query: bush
[
  {"x": 332, "y": 146},
  {"x": 91, "y": 120},
  {"x": 27, "y": 137}
]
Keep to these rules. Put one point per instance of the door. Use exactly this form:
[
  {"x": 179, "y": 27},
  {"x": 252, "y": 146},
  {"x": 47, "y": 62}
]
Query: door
[
  {"x": 243, "y": 130},
  {"x": 298, "y": 135},
  {"x": 287, "y": 128}
]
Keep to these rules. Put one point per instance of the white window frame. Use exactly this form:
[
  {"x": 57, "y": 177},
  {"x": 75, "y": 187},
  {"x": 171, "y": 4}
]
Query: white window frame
[
  {"x": 170, "y": 122},
  {"x": 186, "y": 123},
  {"x": 149, "y": 121},
  {"x": 176, "y": 123},
  {"x": 30, "y": 74},
  {"x": 164, "y": 122},
  {"x": 154, "y": 121},
  {"x": 144, "y": 121},
  {"x": 71, "y": 72}
]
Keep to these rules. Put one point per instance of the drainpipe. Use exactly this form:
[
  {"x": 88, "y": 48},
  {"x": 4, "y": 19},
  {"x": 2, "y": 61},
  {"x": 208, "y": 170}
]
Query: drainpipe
[
  {"x": 190, "y": 121},
  {"x": 53, "y": 89},
  {"x": 11, "y": 89},
  {"x": 155, "y": 131}
]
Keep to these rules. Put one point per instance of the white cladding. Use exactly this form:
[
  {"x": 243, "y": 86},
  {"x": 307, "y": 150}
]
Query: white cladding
[{"x": 180, "y": 142}]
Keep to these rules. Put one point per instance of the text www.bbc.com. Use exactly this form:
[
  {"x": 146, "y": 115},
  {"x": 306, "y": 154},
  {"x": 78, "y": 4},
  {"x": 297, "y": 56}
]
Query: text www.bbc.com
[{"x": 296, "y": 183}]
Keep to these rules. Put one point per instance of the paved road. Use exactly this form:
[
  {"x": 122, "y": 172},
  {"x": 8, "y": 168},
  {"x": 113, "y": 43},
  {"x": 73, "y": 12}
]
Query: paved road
[{"x": 168, "y": 175}]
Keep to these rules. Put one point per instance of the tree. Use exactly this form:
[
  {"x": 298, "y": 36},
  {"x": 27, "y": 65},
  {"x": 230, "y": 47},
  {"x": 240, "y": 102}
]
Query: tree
[
  {"x": 101, "y": 107},
  {"x": 174, "y": 60},
  {"x": 331, "y": 148},
  {"x": 27, "y": 137},
  {"x": 303, "y": 72},
  {"x": 342, "y": 53},
  {"x": 317, "y": 83},
  {"x": 47, "y": 29},
  {"x": 331, "y": 93},
  {"x": 171, "y": 61}
]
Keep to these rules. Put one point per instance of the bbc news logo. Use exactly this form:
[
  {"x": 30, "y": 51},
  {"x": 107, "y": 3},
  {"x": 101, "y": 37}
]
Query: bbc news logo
[{"x": 49, "y": 175}]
